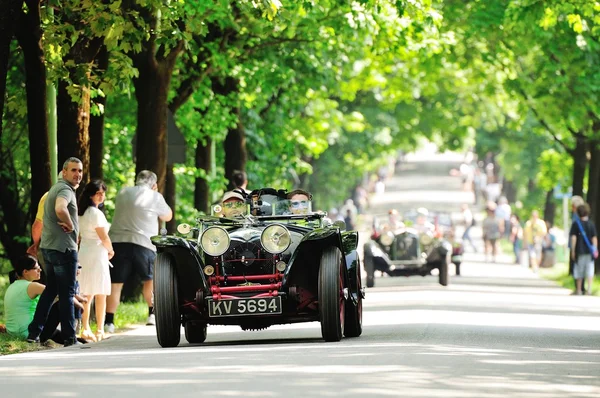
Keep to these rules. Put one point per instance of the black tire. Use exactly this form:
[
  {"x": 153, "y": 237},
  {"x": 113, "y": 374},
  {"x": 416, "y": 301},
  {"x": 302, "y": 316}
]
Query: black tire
[
  {"x": 166, "y": 301},
  {"x": 353, "y": 321},
  {"x": 195, "y": 332},
  {"x": 370, "y": 270},
  {"x": 457, "y": 268},
  {"x": 331, "y": 299},
  {"x": 443, "y": 273}
]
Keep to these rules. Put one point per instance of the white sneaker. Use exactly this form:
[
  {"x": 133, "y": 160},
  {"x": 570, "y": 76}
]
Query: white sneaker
[
  {"x": 109, "y": 328},
  {"x": 150, "y": 321}
]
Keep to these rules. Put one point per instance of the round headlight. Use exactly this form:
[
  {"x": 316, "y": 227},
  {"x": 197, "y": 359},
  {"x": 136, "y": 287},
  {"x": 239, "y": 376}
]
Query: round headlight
[
  {"x": 214, "y": 241},
  {"x": 184, "y": 229},
  {"x": 426, "y": 239},
  {"x": 275, "y": 238},
  {"x": 387, "y": 239},
  {"x": 209, "y": 270}
]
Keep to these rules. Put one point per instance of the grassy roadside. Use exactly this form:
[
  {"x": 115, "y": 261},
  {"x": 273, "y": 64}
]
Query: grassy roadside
[
  {"x": 559, "y": 273},
  {"x": 128, "y": 314}
]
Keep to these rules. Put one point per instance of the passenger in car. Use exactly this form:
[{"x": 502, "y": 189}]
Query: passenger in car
[
  {"x": 299, "y": 201},
  {"x": 233, "y": 204}
]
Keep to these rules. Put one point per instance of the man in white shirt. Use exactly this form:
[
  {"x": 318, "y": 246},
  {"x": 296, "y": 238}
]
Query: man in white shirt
[{"x": 138, "y": 210}]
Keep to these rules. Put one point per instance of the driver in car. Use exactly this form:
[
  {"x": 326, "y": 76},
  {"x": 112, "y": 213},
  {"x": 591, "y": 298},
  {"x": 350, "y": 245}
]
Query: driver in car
[
  {"x": 299, "y": 201},
  {"x": 394, "y": 221},
  {"x": 423, "y": 225},
  {"x": 233, "y": 204}
]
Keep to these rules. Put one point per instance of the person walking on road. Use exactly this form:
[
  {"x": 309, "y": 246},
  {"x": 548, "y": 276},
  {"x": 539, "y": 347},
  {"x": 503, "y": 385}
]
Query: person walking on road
[
  {"x": 516, "y": 236},
  {"x": 469, "y": 221},
  {"x": 138, "y": 210},
  {"x": 584, "y": 248},
  {"x": 59, "y": 248},
  {"x": 492, "y": 228},
  {"x": 576, "y": 201},
  {"x": 533, "y": 235}
]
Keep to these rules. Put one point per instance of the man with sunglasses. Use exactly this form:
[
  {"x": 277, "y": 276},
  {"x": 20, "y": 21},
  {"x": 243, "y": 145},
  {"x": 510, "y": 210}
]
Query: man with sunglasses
[
  {"x": 233, "y": 204},
  {"x": 299, "y": 201}
]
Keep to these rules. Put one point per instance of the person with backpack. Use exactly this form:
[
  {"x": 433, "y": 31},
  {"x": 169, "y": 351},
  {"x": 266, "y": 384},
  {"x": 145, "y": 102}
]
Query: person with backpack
[{"x": 584, "y": 248}]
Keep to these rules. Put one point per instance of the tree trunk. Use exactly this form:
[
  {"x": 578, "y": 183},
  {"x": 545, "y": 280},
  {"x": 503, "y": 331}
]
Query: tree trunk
[
  {"x": 509, "y": 191},
  {"x": 73, "y": 128},
  {"x": 550, "y": 207},
  {"x": 202, "y": 190},
  {"x": 29, "y": 35},
  {"x": 13, "y": 219},
  {"x": 235, "y": 150},
  {"x": 151, "y": 91},
  {"x": 171, "y": 198},
  {"x": 97, "y": 124},
  {"x": 579, "y": 165},
  {"x": 593, "y": 178},
  {"x": 74, "y": 116},
  {"x": 8, "y": 17},
  {"x": 236, "y": 155}
]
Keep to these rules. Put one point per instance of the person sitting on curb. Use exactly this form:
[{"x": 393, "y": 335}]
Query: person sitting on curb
[{"x": 20, "y": 302}]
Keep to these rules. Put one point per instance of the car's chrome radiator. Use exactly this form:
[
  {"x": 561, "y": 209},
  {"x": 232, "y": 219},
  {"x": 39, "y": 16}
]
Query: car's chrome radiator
[
  {"x": 405, "y": 247},
  {"x": 247, "y": 258}
]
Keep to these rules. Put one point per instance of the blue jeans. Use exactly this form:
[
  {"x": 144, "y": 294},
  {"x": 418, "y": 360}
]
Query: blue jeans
[{"x": 61, "y": 276}]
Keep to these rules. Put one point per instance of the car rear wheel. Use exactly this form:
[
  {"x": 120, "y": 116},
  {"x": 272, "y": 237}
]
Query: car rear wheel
[
  {"x": 166, "y": 302},
  {"x": 195, "y": 332},
  {"x": 370, "y": 270},
  {"x": 353, "y": 321},
  {"x": 444, "y": 273},
  {"x": 331, "y": 295}
]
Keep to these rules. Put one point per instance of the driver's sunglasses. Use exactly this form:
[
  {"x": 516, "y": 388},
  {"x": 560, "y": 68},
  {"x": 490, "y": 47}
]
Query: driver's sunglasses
[
  {"x": 299, "y": 203},
  {"x": 231, "y": 205}
]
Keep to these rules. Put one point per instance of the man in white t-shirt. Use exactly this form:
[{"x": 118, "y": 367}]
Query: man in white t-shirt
[{"x": 138, "y": 210}]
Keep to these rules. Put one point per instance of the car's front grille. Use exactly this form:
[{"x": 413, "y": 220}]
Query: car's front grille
[
  {"x": 405, "y": 247},
  {"x": 247, "y": 258}
]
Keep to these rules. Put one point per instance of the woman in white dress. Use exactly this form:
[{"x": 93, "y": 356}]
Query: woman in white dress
[{"x": 95, "y": 249}]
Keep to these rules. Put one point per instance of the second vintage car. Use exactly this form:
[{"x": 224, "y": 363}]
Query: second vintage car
[
  {"x": 258, "y": 269},
  {"x": 411, "y": 247}
]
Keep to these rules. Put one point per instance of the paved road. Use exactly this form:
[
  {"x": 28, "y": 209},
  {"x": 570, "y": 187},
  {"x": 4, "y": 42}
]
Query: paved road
[{"x": 496, "y": 331}]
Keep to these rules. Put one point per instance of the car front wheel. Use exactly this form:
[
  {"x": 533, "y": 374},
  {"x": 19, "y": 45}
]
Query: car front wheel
[
  {"x": 443, "y": 273},
  {"x": 331, "y": 295},
  {"x": 166, "y": 303},
  {"x": 370, "y": 270}
]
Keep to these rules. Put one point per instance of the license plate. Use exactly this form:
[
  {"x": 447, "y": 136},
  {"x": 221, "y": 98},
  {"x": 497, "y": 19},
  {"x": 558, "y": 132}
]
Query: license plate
[{"x": 244, "y": 306}]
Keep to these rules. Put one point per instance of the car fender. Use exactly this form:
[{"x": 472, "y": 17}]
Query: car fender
[
  {"x": 188, "y": 263},
  {"x": 352, "y": 263},
  {"x": 308, "y": 255}
]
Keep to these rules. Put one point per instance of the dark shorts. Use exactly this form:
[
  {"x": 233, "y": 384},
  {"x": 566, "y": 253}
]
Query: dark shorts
[{"x": 131, "y": 258}]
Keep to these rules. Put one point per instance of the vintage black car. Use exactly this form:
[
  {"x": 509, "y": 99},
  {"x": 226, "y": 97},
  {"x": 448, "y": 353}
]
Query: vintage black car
[
  {"x": 412, "y": 248},
  {"x": 263, "y": 268}
]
